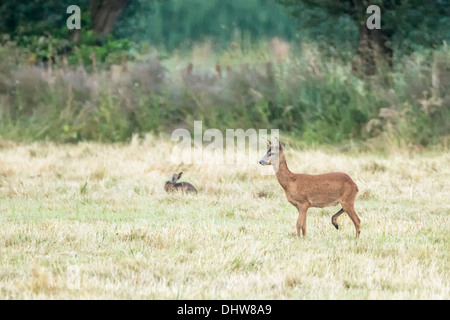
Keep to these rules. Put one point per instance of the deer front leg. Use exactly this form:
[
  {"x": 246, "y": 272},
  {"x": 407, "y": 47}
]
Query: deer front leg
[{"x": 301, "y": 220}]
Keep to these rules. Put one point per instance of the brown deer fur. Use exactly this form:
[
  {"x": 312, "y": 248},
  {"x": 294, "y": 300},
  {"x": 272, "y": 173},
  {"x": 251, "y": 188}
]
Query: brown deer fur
[{"x": 304, "y": 191}]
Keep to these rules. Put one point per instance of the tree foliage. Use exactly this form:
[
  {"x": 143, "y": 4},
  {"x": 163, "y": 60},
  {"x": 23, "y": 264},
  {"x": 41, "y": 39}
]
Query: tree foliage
[
  {"x": 406, "y": 25},
  {"x": 35, "y": 17},
  {"x": 168, "y": 23},
  {"x": 425, "y": 22},
  {"x": 178, "y": 22}
]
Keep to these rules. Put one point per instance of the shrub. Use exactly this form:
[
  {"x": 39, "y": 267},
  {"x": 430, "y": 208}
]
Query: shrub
[{"x": 314, "y": 97}]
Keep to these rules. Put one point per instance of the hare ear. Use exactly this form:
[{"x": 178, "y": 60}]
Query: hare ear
[
  {"x": 174, "y": 178},
  {"x": 179, "y": 175}
]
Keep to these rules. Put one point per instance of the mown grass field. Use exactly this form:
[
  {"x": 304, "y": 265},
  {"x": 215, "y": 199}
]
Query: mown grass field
[{"x": 93, "y": 221}]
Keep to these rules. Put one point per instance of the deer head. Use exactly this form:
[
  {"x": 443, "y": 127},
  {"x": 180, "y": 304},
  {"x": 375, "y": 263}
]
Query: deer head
[{"x": 273, "y": 152}]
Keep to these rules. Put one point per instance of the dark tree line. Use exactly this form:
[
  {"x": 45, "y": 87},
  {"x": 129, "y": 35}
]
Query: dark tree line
[
  {"x": 34, "y": 16},
  {"x": 405, "y": 24}
]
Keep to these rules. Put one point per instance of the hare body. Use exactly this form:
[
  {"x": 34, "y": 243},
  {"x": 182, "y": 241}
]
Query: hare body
[{"x": 184, "y": 187}]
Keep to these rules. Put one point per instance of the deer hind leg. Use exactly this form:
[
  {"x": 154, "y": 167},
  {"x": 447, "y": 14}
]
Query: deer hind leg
[
  {"x": 352, "y": 214},
  {"x": 334, "y": 218},
  {"x": 301, "y": 220}
]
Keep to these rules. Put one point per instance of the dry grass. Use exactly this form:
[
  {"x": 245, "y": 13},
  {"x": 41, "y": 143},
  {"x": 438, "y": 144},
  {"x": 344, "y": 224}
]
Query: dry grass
[{"x": 93, "y": 221}]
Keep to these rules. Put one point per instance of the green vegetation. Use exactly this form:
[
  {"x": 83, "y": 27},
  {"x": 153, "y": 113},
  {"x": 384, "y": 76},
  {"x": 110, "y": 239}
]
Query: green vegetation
[
  {"x": 270, "y": 85},
  {"x": 181, "y": 23},
  {"x": 248, "y": 64}
]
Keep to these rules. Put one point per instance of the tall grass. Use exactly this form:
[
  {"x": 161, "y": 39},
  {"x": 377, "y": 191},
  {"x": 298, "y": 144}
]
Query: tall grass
[{"x": 273, "y": 84}]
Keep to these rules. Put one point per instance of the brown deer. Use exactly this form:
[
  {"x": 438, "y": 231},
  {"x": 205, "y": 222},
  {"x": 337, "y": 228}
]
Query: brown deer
[
  {"x": 184, "y": 187},
  {"x": 304, "y": 191}
]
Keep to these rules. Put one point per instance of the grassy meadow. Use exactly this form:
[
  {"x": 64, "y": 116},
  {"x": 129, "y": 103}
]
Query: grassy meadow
[{"x": 93, "y": 221}]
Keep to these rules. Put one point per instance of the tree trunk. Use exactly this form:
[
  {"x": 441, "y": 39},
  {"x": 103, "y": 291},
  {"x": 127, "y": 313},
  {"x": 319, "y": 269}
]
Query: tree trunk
[
  {"x": 373, "y": 50},
  {"x": 104, "y": 14}
]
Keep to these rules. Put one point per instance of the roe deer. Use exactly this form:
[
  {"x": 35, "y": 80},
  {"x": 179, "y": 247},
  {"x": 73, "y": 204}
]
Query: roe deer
[
  {"x": 172, "y": 185},
  {"x": 304, "y": 191}
]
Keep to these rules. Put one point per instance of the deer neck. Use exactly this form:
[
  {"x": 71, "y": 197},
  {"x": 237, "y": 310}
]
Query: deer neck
[{"x": 282, "y": 171}]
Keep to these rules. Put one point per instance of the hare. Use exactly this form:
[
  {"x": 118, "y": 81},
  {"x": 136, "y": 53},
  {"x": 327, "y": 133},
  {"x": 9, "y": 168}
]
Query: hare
[{"x": 184, "y": 187}]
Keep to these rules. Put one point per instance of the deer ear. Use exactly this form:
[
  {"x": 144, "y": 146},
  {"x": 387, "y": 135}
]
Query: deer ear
[
  {"x": 276, "y": 142},
  {"x": 268, "y": 142}
]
